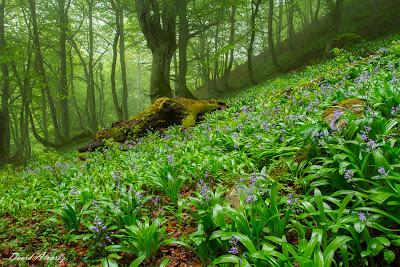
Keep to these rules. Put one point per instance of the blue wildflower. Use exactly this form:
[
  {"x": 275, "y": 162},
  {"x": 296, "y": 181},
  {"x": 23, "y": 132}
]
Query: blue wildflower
[{"x": 361, "y": 216}]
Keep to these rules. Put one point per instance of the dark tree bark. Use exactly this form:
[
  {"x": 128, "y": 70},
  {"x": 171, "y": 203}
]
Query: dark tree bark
[
  {"x": 63, "y": 82},
  {"x": 5, "y": 90},
  {"x": 157, "y": 21},
  {"x": 255, "y": 7},
  {"x": 271, "y": 34},
  {"x": 182, "y": 89}
]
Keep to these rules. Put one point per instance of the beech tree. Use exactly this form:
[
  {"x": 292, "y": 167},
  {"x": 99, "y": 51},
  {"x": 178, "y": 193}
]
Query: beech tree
[{"x": 157, "y": 19}]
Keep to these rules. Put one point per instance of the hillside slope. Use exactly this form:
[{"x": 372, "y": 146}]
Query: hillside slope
[
  {"x": 312, "y": 40},
  {"x": 266, "y": 182}
]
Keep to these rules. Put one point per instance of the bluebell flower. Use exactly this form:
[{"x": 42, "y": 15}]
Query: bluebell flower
[
  {"x": 250, "y": 198},
  {"x": 234, "y": 251},
  {"x": 361, "y": 216},
  {"x": 170, "y": 159},
  {"x": 372, "y": 145},
  {"x": 382, "y": 171},
  {"x": 253, "y": 179},
  {"x": 348, "y": 175}
]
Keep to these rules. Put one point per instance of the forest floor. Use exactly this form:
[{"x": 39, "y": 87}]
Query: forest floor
[{"x": 303, "y": 169}]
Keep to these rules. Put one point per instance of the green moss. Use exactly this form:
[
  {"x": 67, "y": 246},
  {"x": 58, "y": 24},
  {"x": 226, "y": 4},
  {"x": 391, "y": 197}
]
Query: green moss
[
  {"x": 354, "y": 105},
  {"x": 162, "y": 113}
]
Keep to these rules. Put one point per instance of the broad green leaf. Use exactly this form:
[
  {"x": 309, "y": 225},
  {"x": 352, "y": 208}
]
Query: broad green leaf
[{"x": 330, "y": 250}]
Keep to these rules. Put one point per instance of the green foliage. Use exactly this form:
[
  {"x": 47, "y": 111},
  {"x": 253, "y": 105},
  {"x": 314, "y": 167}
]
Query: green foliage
[{"x": 266, "y": 182}]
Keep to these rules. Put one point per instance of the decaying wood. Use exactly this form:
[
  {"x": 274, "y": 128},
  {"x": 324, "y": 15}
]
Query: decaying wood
[{"x": 161, "y": 114}]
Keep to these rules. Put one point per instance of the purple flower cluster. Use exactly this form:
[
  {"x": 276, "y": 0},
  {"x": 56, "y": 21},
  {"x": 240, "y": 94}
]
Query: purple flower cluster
[
  {"x": 395, "y": 110},
  {"x": 336, "y": 116},
  {"x": 204, "y": 190},
  {"x": 371, "y": 144},
  {"x": 245, "y": 109},
  {"x": 100, "y": 232},
  {"x": 364, "y": 77},
  {"x": 98, "y": 226},
  {"x": 234, "y": 246},
  {"x": 325, "y": 88},
  {"x": 156, "y": 200},
  {"x": 348, "y": 175},
  {"x": 362, "y": 216},
  {"x": 383, "y": 172},
  {"x": 170, "y": 159},
  {"x": 292, "y": 201}
]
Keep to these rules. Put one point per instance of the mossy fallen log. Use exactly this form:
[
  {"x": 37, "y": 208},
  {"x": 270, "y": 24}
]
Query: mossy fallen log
[{"x": 163, "y": 113}]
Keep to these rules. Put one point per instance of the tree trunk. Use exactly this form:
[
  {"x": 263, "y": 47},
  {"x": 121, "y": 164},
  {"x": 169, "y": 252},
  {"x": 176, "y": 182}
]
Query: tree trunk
[
  {"x": 232, "y": 21},
  {"x": 271, "y": 34},
  {"x": 335, "y": 14},
  {"x": 182, "y": 89},
  {"x": 71, "y": 84},
  {"x": 39, "y": 69},
  {"x": 279, "y": 26},
  {"x": 91, "y": 92},
  {"x": 158, "y": 27},
  {"x": 118, "y": 109},
  {"x": 317, "y": 8},
  {"x": 63, "y": 82},
  {"x": 125, "y": 113},
  {"x": 290, "y": 23},
  {"x": 5, "y": 94},
  {"x": 160, "y": 74},
  {"x": 255, "y": 6}
]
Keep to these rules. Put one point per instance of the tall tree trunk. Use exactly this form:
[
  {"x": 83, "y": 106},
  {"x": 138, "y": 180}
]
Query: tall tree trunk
[
  {"x": 335, "y": 14},
  {"x": 160, "y": 74},
  {"x": 71, "y": 84},
  {"x": 158, "y": 27},
  {"x": 5, "y": 90},
  {"x": 182, "y": 89},
  {"x": 91, "y": 89},
  {"x": 118, "y": 109},
  {"x": 232, "y": 22},
  {"x": 102, "y": 96},
  {"x": 271, "y": 34},
  {"x": 255, "y": 6},
  {"x": 40, "y": 71},
  {"x": 279, "y": 26},
  {"x": 317, "y": 8},
  {"x": 125, "y": 113},
  {"x": 290, "y": 23},
  {"x": 216, "y": 59},
  {"x": 63, "y": 82}
]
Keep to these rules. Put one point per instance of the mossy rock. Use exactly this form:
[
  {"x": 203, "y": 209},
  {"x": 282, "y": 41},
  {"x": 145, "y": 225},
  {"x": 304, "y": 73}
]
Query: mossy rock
[
  {"x": 163, "y": 113},
  {"x": 354, "y": 105}
]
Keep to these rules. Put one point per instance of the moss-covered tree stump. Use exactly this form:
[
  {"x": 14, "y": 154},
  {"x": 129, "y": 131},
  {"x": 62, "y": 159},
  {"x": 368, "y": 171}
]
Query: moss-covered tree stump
[{"x": 163, "y": 113}]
